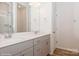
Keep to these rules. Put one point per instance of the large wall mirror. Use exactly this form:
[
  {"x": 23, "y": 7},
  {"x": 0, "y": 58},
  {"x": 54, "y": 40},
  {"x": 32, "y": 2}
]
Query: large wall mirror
[
  {"x": 5, "y": 17},
  {"x": 14, "y": 17},
  {"x": 20, "y": 17}
]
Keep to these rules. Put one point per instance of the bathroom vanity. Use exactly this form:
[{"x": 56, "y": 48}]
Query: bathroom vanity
[
  {"x": 26, "y": 44},
  {"x": 17, "y": 36}
]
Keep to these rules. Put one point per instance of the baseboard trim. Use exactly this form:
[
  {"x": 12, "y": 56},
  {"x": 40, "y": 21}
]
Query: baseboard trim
[{"x": 75, "y": 50}]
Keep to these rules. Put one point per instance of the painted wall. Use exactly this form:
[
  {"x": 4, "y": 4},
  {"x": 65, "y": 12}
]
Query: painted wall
[
  {"x": 41, "y": 16},
  {"x": 34, "y": 16},
  {"x": 76, "y": 25},
  {"x": 67, "y": 26},
  {"x": 42, "y": 19},
  {"x": 64, "y": 33},
  {"x": 45, "y": 17}
]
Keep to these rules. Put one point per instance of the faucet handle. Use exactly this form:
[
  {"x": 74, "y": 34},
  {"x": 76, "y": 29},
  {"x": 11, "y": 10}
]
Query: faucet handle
[
  {"x": 36, "y": 32},
  {"x": 7, "y": 35}
]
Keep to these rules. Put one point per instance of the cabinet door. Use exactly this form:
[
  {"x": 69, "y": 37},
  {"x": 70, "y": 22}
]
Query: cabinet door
[
  {"x": 16, "y": 48},
  {"x": 28, "y": 52},
  {"x": 44, "y": 50},
  {"x": 37, "y": 50},
  {"x": 42, "y": 45},
  {"x": 45, "y": 47}
]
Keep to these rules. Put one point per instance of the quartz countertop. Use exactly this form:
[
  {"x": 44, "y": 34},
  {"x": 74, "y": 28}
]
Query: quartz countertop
[{"x": 19, "y": 37}]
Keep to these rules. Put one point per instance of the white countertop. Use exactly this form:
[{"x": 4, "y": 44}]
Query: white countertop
[{"x": 20, "y": 37}]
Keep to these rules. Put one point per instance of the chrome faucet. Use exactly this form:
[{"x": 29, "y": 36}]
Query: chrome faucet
[
  {"x": 36, "y": 32},
  {"x": 8, "y": 35}
]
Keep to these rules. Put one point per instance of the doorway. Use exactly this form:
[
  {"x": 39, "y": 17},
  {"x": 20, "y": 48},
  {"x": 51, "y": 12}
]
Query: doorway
[{"x": 21, "y": 18}]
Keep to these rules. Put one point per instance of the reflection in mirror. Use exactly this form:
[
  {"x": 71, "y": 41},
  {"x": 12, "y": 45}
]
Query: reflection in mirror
[
  {"x": 14, "y": 17},
  {"x": 5, "y": 18},
  {"x": 21, "y": 17}
]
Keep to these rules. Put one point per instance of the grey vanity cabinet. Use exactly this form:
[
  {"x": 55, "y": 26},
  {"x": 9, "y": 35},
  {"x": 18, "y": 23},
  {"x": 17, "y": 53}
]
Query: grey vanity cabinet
[
  {"x": 42, "y": 46},
  {"x": 17, "y": 49},
  {"x": 36, "y": 47},
  {"x": 26, "y": 52},
  {"x": 45, "y": 47},
  {"x": 37, "y": 50}
]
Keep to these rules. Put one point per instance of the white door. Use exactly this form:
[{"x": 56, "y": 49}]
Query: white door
[{"x": 64, "y": 24}]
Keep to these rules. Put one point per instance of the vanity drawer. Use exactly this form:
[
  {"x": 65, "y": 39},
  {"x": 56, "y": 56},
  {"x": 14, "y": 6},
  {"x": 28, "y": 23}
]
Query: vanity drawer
[
  {"x": 14, "y": 49},
  {"x": 26, "y": 52},
  {"x": 41, "y": 39}
]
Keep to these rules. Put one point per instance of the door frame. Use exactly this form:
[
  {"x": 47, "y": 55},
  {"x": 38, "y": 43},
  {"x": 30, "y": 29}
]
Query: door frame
[{"x": 15, "y": 16}]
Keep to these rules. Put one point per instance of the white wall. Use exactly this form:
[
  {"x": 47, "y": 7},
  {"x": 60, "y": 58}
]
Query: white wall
[
  {"x": 76, "y": 25},
  {"x": 42, "y": 18},
  {"x": 67, "y": 21},
  {"x": 34, "y": 16},
  {"x": 45, "y": 17},
  {"x": 64, "y": 33}
]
